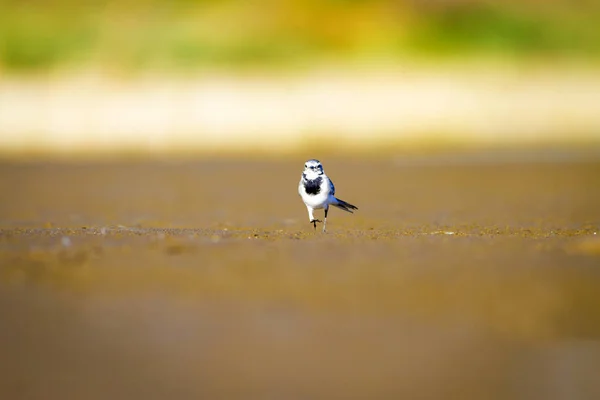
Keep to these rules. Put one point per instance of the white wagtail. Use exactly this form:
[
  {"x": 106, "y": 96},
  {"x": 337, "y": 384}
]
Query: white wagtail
[{"x": 317, "y": 191}]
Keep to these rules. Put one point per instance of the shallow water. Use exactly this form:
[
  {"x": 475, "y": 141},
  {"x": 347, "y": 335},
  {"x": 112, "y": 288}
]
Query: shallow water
[{"x": 204, "y": 279}]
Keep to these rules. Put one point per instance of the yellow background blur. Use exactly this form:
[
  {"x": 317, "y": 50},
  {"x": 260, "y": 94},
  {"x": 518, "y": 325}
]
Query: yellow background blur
[{"x": 212, "y": 76}]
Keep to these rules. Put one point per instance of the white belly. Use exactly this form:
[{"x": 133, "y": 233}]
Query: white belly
[{"x": 315, "y": 201}]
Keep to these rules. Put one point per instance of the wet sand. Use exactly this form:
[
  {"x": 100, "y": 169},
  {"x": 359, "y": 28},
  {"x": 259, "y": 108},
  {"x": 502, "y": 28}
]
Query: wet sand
[{"x": 204, "y": 279}]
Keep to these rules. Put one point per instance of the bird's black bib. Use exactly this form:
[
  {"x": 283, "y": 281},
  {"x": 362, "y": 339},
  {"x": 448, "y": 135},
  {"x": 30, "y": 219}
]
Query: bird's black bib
[{"x": 313, "y": 187}]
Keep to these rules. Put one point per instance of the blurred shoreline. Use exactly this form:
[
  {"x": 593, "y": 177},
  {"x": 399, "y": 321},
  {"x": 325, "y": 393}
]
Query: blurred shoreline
[{"x": 344, "y": 110}]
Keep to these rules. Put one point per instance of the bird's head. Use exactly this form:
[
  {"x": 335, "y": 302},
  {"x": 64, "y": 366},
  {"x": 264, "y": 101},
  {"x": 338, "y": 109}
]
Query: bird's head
[{"x": 312, "y": 169}]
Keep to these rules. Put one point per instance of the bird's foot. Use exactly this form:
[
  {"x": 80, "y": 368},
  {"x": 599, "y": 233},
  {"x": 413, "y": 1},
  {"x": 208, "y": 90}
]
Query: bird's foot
[{"x": 314, "y": 222}]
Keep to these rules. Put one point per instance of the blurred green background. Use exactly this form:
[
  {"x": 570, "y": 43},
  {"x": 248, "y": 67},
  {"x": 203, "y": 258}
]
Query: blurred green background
[
  {"x": 133, "y": 35},
  {"x": 207, "y": 75}
]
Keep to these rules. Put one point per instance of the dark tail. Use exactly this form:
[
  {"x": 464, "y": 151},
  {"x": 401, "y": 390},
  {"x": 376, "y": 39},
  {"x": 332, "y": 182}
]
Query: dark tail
[{"x": 345, "y": 206}]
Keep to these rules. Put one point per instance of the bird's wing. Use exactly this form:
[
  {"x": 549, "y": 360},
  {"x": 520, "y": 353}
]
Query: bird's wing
[{"x": 331, "y": 188}]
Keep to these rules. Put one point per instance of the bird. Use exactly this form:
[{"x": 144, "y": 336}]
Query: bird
[{"x": 318, "y": 192}]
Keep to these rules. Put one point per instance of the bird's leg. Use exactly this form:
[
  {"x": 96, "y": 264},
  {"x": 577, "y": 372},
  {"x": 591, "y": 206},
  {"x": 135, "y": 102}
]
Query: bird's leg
[
  {"x": 325, "y": 219},
  {"x": 312, "y": 219}
]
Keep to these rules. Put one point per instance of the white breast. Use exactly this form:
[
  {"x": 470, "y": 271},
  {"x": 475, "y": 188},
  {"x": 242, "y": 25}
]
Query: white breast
[{"x": 319, "y": 200}]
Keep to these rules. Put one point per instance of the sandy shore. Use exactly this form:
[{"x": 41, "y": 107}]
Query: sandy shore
[{"x": 204, "y": 279}]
